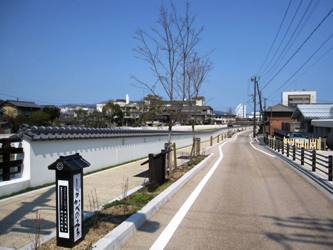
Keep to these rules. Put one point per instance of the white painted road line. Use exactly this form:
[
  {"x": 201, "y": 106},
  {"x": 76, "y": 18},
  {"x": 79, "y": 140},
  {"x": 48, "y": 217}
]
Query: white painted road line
[
  {"x": 170, "y": 229},
  {"x": 262, "y": 151}
]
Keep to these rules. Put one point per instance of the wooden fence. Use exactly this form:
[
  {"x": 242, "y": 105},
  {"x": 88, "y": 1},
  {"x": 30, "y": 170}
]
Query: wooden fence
[
  {"x": 9, "y": 164},
  {"x": 317, "y": 161}
]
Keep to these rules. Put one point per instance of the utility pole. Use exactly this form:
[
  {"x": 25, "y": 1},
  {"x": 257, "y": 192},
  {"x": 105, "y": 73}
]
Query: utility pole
[{"x": 254, "y": 80}]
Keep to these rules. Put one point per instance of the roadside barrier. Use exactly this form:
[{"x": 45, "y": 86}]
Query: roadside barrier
[{"x": 317, "y": 161}]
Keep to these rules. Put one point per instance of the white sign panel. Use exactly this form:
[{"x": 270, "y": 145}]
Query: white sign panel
[
  {"x": 77, "y": 207},
  {"x": 63, "y": 209}
]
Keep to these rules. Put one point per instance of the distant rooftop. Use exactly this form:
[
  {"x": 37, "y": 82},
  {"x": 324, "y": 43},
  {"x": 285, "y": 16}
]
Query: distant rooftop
[
  {"x": 280, "y": 108},
  {"x": 22, "y": 104}
]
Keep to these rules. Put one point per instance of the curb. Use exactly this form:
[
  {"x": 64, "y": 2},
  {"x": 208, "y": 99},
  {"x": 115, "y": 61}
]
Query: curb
[{"x": 118, "y": 236}]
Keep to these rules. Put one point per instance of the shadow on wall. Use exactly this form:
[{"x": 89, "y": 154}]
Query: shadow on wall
[{"x": 304, "y": 231}]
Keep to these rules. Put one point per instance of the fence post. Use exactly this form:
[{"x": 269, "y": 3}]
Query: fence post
[
  {"x": 288, "y": 149},
  {"x": 294, "y": 152},
  {"x": 313, "y": 160},
  {"x": 6, "y": 161},
  {"x": 211, "y": 140},
  {"x": 282, "y": 147},
  {"x": 302, "y": 155},
  {"x": 330, "y": 167}
]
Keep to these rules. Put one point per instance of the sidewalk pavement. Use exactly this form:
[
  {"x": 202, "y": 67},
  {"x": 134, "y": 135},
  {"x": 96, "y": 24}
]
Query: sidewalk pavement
[{"x": 18, "y": 213}]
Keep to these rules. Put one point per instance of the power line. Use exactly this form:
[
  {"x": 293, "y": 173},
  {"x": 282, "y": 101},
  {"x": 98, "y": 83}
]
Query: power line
[
  {"x": 269, "y": 66},
  {"x": 305, "y": 63},
  {"x": 301, "y": 29},
  {"x": 298, "y": 49},
  {"x": 284, "y": 50},
  {"x": 276, "y": 36}
]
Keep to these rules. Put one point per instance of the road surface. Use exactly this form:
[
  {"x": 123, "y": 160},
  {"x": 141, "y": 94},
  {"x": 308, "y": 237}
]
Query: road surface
[{"x": 251, "y": 201}]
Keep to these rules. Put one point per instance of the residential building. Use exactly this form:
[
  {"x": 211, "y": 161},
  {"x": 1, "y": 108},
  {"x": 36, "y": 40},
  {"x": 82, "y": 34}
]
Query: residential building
[
  {"x": 13, "y": 108},
  {"x": 221, "y": 117},
  {"x": 276, "y": 116},
  {"x": 323, "y": 128},
  {"x": 293, "y": 98},
  {"x": 305, "y": 113}
]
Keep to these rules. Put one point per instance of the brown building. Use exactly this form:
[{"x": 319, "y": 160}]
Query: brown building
[
  {"x": 15, "y": 108},
  {"x": 276, "y": 116}
]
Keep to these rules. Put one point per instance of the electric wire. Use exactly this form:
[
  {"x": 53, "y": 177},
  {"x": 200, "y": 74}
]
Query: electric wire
[
  {"x": 269, "y": 66},
  {"x": 304, "y": 64},
  {"x": 276, "y": 36},
  {"x": 284, "y": 50},
  {"x": 298, "y": 49},
  {"x": 285, "y": 84}
]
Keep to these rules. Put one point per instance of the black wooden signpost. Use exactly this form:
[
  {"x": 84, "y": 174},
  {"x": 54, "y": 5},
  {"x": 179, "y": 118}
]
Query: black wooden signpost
[{"x": 69, "y": 198}]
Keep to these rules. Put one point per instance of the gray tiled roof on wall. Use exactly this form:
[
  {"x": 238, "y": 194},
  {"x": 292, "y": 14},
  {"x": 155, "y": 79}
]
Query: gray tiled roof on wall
[{"x": 66, "y": 133}]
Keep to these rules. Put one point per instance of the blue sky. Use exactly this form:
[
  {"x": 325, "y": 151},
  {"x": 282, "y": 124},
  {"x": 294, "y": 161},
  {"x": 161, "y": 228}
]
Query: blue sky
[{"x": 77, "y": 51}]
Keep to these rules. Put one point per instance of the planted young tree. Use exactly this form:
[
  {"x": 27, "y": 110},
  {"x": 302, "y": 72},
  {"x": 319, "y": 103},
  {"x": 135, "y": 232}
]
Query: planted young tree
[
  {"x": 159, "y": 48},
  {"x": 197, "y": 72}
]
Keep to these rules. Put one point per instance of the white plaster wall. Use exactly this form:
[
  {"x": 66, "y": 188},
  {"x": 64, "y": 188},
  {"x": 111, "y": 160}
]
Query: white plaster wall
[{"x": 100, "y": 153}]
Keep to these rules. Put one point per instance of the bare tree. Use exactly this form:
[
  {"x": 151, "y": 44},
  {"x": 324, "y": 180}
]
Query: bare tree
[
  {"x": 189, "y": 37},
  {"x": 160, "y": 49},
  {"x": 198, "y": 69}
]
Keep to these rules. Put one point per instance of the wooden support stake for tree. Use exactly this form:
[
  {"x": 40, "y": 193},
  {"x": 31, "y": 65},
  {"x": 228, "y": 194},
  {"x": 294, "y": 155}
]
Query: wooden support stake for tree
[{"x": 174, "y": 155}]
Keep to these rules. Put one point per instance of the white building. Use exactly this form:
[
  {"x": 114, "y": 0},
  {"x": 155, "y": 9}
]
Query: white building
[
  {"x": 100, "y": 106},
  {"x": 292, "y": 98},
  {"x": 240, "y": 110}
]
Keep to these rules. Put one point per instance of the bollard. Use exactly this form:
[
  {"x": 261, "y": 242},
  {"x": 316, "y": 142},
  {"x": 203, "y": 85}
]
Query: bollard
[
  {"x": 278, "y": 146},
  {"x": 313, "y": 160},
  {"x": 330, "y": 167},
  {"x": 218, "y": 139},
  {"x": 294, "y": 153},
  {"x": 288, "y": 150},
  {"x": 282, "y": 147},
  {"x": 302, "y": 155},
  {"x": 211, "y": 141}
]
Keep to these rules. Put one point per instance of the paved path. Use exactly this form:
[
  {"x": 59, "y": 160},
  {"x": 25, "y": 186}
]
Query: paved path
[
  {"x": 18, "y": 213},
  {"x": 252, "y": 201}
]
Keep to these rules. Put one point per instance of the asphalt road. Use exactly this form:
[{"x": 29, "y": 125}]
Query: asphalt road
[{"x": 252, "y": 201}]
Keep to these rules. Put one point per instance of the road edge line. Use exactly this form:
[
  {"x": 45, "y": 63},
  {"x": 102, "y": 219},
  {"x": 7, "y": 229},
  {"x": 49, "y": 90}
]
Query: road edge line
[
  {"x": 164, "y": 238},
  {"x": 119, "y": 235}
]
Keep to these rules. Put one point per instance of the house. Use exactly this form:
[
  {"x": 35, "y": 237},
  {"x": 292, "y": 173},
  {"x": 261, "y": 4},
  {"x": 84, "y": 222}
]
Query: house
[
  {"x": 276, "y": 116},
  {"x": 323, "y": 128},
  {"x": 13, "y": 108},
  {"x": 221, "y": 117},
  {"x": 306, "y": 113}
]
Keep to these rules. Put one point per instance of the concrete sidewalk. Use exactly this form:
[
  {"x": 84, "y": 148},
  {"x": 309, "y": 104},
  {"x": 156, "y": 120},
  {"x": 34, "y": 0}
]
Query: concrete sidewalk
[{"x": 18, "y": 213}]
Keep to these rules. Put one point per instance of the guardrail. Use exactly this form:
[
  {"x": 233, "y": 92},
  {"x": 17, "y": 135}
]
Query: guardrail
[{"x": 317, "y": 161}]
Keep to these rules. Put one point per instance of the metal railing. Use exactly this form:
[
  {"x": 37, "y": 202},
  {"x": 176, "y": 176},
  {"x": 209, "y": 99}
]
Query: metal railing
[{"x": 317, "y": 161}]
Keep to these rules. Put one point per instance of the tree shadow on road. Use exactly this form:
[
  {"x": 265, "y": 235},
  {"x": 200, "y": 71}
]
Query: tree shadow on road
[
  {"x": 14, "y": 222},
  {"x": 317, "y": 232}
]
